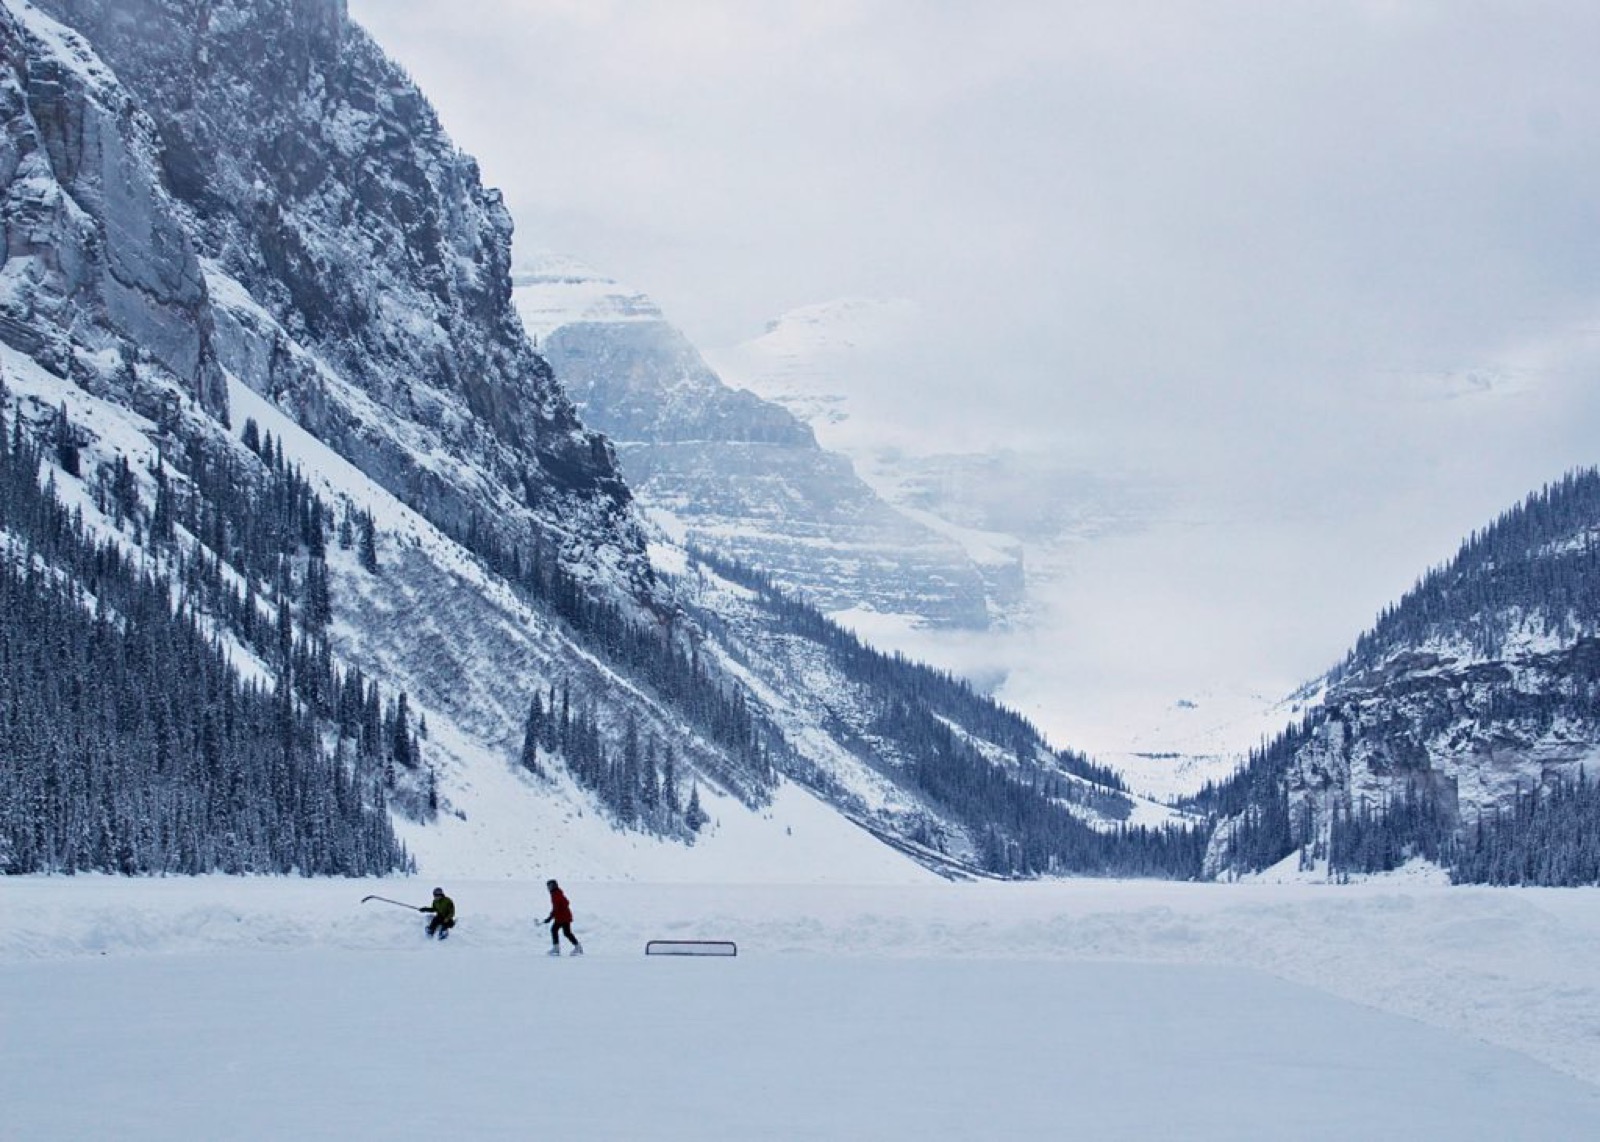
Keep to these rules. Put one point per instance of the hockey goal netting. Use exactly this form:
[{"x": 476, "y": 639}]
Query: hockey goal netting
[{"x": 691, "y": 948}]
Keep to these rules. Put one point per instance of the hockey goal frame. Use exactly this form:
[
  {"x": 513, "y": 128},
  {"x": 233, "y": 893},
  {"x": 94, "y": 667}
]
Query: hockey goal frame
[{"x": 691, "y": 948}]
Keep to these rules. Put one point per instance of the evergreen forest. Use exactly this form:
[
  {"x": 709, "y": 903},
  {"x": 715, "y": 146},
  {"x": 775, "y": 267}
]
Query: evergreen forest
[{"x": 129, "y": 742}]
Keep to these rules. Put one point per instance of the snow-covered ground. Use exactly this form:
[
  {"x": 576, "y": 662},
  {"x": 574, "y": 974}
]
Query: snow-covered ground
[{"x": 265, "y": 1009}]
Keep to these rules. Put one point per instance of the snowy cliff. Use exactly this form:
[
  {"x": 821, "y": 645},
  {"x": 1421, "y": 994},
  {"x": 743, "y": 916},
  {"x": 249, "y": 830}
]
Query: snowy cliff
[
  {"x": 1464, "y": 726},
  {"x": 358, "y": 266},
  {"x": 100, "y": 279},
  {"x": 729, "y": 471}
]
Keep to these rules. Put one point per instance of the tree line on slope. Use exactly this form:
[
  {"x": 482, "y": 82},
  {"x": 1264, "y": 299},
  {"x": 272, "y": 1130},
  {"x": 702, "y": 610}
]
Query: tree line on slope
[
  {"x": 638, "y": 783},
  {"x": 924, "y": 731},
  {"x": 936, "y": 690},
  {"x": 1547, "y": 835},
  {"x": 1538, "y": 565},
  {"x": 656, "y": 655},
  {"x": 129, "y": 743}
]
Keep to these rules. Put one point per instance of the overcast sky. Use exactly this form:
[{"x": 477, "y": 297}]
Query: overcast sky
[{"x": 1332, "y": 268}]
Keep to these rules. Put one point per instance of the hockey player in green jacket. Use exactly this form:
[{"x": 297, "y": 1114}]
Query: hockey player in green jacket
[{"x": 444, "y": 914}]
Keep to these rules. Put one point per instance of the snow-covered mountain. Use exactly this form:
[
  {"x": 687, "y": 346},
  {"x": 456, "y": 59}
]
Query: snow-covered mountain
[
  {"x": 817, "y": 361},
  {"x": 723, "y": 469},
  {"x": 306, "y": 553},
  {"x": 259, "y": 349},
  {"x": 1464, "y": 726}
]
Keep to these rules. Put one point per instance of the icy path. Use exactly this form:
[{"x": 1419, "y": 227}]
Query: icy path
[{"x": 452, "y": 1041}]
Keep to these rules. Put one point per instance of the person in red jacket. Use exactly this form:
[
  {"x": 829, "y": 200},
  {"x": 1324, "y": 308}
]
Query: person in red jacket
[{"x": 560, "y": 920}]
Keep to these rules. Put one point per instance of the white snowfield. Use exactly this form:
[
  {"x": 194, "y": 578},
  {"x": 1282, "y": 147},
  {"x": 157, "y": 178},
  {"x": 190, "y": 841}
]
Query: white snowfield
[{"x": 219, "y": 1008}]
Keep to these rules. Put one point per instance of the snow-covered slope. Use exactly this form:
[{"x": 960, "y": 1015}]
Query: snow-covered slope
[{"x": 468, "y": 652}]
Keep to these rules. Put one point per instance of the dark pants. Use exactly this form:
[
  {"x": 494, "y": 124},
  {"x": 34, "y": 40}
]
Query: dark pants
[
  {"x": 556, "y": 931},
  {"x": 440, "y": 927}
]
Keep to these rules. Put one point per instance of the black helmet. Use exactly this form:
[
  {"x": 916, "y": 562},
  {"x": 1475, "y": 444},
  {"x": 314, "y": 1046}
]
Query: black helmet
[
  {"x": 438, "y": 892},
  {"x": 550, "y": 884}
]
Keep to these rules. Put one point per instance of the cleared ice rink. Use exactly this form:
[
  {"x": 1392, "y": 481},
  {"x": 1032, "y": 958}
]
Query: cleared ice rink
[{"x": 466, "y": 1044}]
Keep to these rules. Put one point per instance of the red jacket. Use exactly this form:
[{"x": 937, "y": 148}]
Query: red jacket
[{"x": 560, "y": 910}]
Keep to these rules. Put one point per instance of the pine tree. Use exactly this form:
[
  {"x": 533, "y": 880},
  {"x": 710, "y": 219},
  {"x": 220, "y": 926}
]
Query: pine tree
[
  {"x": 369, "y": 542},
  {"x": 66, "y": 442},
  {"x": 317, "y": 604},
  {"x": 400, "y": 735},
  {"x": 669, "y": 782},
  {"x": 161, "y": 515},
  {"x": 532, "y": 733}
]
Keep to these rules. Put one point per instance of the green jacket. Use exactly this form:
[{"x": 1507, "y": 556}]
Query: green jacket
[{"x": 442, "y": 907}]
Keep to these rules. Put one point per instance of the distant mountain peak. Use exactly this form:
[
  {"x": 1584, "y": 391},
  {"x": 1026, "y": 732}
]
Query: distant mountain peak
[
  {"x": 844, "y": 322},
  {"x": 735, "y": 473},
  {"x": 552, "y": 290}
]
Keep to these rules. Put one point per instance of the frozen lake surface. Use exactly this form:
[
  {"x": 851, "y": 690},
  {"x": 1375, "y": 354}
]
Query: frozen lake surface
[{"x": 271, "y": 1009}]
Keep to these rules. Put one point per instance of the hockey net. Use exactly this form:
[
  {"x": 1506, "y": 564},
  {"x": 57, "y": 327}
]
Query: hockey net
[{"x": 691, "y": 948}]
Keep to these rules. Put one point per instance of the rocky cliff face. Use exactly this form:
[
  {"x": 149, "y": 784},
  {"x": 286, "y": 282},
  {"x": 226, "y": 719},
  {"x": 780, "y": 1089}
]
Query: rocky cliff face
[
  {"x": 359, "y": 266},
  {"x": 1483, "y": 681},
  {"x": 1470, "y": 734},
  {"x": 1480, "y": 687},
  {"x": 100, "y": 279},
  {"x": 733, "y": 473}
]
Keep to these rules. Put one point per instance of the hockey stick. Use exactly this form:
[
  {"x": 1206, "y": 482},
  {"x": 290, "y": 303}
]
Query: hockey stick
[{"x": 386, "y": 900}]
